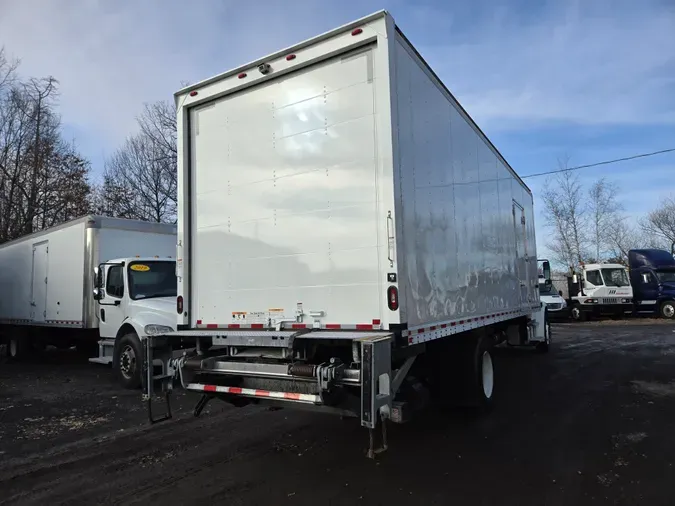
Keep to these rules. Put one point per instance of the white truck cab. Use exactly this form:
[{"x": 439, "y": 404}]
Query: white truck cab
[
  {"x": 136, "y": 298},
  {"x": 555, "y": 303},
  {"x": 600, "y": 289}
]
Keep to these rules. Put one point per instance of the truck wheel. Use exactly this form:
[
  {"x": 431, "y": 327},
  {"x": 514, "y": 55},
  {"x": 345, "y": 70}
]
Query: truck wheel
[
  {"x": 17, "y": 347},
  {"x": 128, "y": 362},
  {"x": 577, "y": 314},
  {"x": 479, "y": 373},
  {"x": 667, "y": 309}
]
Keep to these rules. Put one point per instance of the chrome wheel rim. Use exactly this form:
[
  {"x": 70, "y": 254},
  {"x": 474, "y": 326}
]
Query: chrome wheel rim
[{"x": 128, "y": 362}]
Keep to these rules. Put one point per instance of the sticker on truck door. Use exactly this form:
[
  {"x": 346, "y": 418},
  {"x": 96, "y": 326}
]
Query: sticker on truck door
[{"x": 140, "y": 267}]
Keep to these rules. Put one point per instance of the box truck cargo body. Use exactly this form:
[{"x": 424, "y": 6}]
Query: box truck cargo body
[
  {"x": 336, "y": 195},
  {"x": 49, "y": 278}
]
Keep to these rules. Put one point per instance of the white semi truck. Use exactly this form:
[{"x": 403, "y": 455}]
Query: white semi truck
[
  {"x": 599, "y": 289},
  {"x": 97, "y": 283},
  {"x": 348, "y": 239}
]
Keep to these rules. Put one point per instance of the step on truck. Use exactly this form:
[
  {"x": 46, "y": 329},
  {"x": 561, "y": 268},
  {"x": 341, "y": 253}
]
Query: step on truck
[
  {"x": 97, "y": 283},
  {"x": 349, "y": 240}
]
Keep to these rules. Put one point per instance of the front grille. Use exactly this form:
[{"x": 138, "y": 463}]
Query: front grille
[
  {"x": 554, "y": 306},
  {"x": 610, "y": 300}
]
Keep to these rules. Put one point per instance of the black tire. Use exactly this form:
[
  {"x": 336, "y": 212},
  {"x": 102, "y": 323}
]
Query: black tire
[
  {"x": 128, "y": 361},
  {"x": 478, "y": 373},
  {"x": 667, "y": 309},
  {"x": 577, "y": 314}
]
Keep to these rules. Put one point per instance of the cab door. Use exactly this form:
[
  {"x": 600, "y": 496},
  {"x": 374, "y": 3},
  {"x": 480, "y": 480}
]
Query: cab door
[{"x": 112, "y": 305}]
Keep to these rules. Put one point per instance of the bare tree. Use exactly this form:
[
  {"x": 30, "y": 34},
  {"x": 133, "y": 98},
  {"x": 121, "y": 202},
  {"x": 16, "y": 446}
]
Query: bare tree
[
  {"x": 622, "y": 237},
  {"x": 43, "y": 180},
  {"x": 603, "y": 210},
  {"x": 661, "y": 222},
  {"x": 140, "y": 179},
  {"x": 567, "y": 216}
]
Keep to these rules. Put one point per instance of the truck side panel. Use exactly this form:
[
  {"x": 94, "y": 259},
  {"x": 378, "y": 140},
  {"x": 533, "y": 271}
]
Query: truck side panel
[
  {"x": 462, "y": 251},
  {"x": 63, "y": 250}
]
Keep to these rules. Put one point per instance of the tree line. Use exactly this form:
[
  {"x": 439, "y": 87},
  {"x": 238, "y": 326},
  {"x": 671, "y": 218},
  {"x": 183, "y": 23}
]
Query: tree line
[
  {"x": 589, "y": 224},
  {"x": 45, "y": 180}
]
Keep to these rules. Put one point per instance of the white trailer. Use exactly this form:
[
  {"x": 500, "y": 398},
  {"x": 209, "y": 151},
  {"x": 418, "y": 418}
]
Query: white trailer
[
  {"x": 49, "y": 279},
  {"x": 343, "y": 224}
]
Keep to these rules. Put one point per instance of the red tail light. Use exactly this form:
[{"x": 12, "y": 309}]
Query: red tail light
[
  {"x": 179, "y": 304},
  {"x": 392, "y": 298}
]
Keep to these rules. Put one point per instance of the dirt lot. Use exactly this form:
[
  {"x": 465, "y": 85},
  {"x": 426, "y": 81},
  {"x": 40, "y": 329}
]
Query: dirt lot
[{"x": 590, "y": 423}]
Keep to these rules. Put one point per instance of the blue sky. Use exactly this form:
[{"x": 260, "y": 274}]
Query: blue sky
[{"x": 579, "y": 79}]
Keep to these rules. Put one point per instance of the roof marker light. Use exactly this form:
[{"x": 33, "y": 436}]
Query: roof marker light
[
  {"x": 193, "y": 93},
  {"x": 242, "y": 75},
  {"x": 290, "y": 57},
  {"x": 357, "y": 31}
]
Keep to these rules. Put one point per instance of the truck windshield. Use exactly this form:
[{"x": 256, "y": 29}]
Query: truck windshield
[
  {"x": 615, "y": 277},
  {"x": 152, "y": 279},
  {"x": 666, "y": 276},
  {"x": 547, "y": 290}
]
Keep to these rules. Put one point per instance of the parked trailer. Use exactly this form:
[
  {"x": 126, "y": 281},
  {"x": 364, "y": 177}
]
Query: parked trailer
[
  {"x": 49, "y": 278},
  {"x": 349, "y": 240}
]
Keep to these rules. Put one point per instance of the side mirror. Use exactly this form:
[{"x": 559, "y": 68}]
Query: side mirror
[
  {"x": 546, "y": 267},
  {"x": 99, "y": 293},
  {"x": 560, "y": 293},
  {"x": 575, "y": 278},
  {"x": 645, "y": 278}
]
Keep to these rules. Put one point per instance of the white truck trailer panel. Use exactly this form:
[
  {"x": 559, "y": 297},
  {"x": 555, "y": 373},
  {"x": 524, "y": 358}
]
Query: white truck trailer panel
[
  {"x": 314, "y": 179},
  {"x": 465, "y": 244},
  {"x": 49, "y": 274}
]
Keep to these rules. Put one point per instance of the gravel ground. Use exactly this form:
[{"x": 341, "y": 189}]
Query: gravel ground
[{"x": 589, "y": 423}]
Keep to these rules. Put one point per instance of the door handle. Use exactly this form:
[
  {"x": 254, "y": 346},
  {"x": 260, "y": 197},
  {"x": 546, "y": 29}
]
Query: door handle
[{"x": 390, "y": 239}]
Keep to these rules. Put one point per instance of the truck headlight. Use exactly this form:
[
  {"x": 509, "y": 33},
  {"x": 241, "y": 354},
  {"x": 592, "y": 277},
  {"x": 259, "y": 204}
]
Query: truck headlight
[{"x": 153, "y": 330}]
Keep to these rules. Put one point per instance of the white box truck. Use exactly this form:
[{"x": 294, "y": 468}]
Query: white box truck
[
  {"x": 98, "y": 283},
  {"x": 347, "y": 236}
]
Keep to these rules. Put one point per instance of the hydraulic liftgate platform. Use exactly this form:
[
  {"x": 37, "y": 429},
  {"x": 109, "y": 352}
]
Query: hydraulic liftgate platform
[{"x": 263, "y": 366}]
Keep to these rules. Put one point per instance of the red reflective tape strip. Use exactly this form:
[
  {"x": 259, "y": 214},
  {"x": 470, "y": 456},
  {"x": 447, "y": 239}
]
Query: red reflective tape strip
[
  {"x": 199, "y": 322},
  {"x": 299, "y": 326},
  {"x": 261, "y": 393},
  {"x": 420, "y": 331},
  {"x": 257, "y": 326},
  {"x": 444, "y": 325},
  {"x": 210, "y": 388},
  {"x": 364, "y": 326},
  {"x": 211, "y": 325},
  {"x": 234, "y": 390},
  {"x": 295, "y": 397},
  {"x": 453, "y": 323},
  {"x": 433, "y": 327},
  {"x": 410, "y": 340},
  {"x": 333, "y": 326},
  {"x": 234, "y": 326}
]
